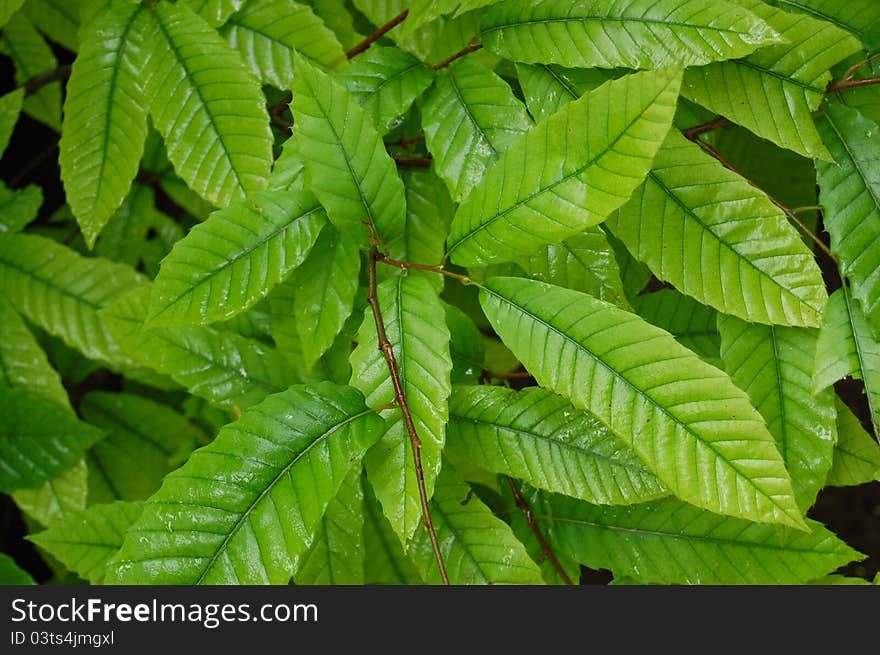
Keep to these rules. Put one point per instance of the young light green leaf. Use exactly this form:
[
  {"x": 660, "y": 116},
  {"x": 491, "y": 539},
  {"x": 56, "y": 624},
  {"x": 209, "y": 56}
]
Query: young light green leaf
[
  {"x": 38, "y": 439},
  {"x": 537, "y": 436},
  {"x": 19, "y": 207},
  {"x": 32, "y": 56},
  {"x": 685, "y": 419},
  {"x": 61, "y": 291},
  {"x": 671, "y": 542},
  {"x": 847, "y": 346},
  {"x": 594, "y": 153},
  {"x": 630, "y": 34},
  {"x": 105, "y": 118},
  {"x": 385, "y": 81},
  {"x": 470, "y": 116},
  {"x": 693, "y": 324},
  {"x": 324, "y": 288},
  {"x": 786, "y": 81},
  {"x": 774, "y": 366},
  {"x": 337, "y": 553},
  {"x": 232, "y": 260},
  {"x": 58, "y": 497},
  {"x": 477, "y": 547},
  {"x": 242, "y": 509},
  {"x": 849, "y": 192},
  {"x": 229, "y": 370},
  {"x": 547, "y": 88},
  {"x": 145, "y": 440},
  {"x": 584, "y": 262},
  {"x": 723, "y": 241},
  {"x": 206, "y": 105},
  {"x": 345, "y": 160},
  {"x": 12, "y": 574},
  {"x": 86, "y": 540},
  {"x": 10, "y": 108},
  {"x": 415, "y": 324},
  {"x": 23, "y": 363},
  {"x": 267, "y": 33},
  {"x": 856, "y": 454}
]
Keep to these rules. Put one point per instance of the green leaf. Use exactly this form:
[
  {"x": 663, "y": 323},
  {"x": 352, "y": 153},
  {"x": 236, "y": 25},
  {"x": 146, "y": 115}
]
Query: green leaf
[
  {"x": 345, "y": 160},
  {"x": 595, "y": 152},
  {"x": 324, "y": 290},
  {"x": 105, "y": 118},
  {"x": 338, "y": 17},
  {"x": 584, "y": 262},
  {"x": 384, "y": 561},
  {"x": 337, "y": 553},
  {"x": 849, "y": 192},
  {"x": 537, "y": 436},
  {"x": 23, "y": 362},
  {"x": 19, "y": 207},
  {"x": 548, "y": 88},
  {"x": 724, "y": 242},
  {"x": 243, "y": 508},
  {"x": 685, "y": 419},
  {"x": 12, "y": 574},
  {"x": 415, "y": 324},
  {"x": 632, "y": 34},
  {"x": 206, "y": 105},
  {"x": 466, "y": 346},
  {"x": 785, "y": 81},
  {"x": 385, "y": 82},
  {"x": 861, "y": 17},
  {"x": 38, "y": 439},
  {"x": 216, "y": 12},
  {"x": 61, "y": 292},
  {"x": 32, "y": 56},
  {"x": 470, "y": 116},
  {"x": 428, "y": 213},
  {"x": 10, "y": 109},
  {"x": 233, "y": 259},
  {"x": 671, "y": 542},
  {"x": 8, "y": 8},
  {"x": 774, "y": 366},
  {"x": 267, "y": 33},
  {"x": 56, "y": 498},
  {"x": 145, "y": 440},
  {"x": 85, "y": 541},
  {"x": 856, "y": 454},
  {"x": 847, "y": 346},
  {"x": 693, "y": 324},
  {"x": 477, "y": 547},
  {"x": 229, "y": 370},
  {"x": 58, "y": 19}
]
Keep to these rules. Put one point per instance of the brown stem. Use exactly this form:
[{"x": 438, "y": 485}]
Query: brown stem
[
  {"x": 516, "y": 375},
  {"x": 385, "y": 259},
  {"x": 693, "y": 132},
  {"x": 405, "y": 143},
  {"x": 37, "y": 82},
  {"x": 471, "y": 47},
  {"x": 709, "y": 150},
  {"x": 420, "y": 162},
  {"x": 399, "y": 395},
  {"x": 536, "y": 530},
  {"x": 378, "y": 34},
  {"x": 851, "y": 84}
]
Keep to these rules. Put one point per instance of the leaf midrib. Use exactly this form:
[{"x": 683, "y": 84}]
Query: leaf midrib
[
  {"x": 651, "y": 402},
  {"x": 618, "y": 19}
]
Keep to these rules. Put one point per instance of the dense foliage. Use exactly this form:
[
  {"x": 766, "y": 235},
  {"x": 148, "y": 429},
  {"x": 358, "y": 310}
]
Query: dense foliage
[{"x": 440, "y": 291}]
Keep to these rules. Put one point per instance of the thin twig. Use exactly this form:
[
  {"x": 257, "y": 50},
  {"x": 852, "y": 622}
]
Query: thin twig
[
  {"x": 709, "y": 150},
  {"x": 385, "y": 259},
  {"x": 399, "y": 395},
  {"x": 851, "y": 84},
  {"x": 693, "y": 132},
  {"x": 471, "y": 47},
  {"x": 420, "y": 162},
  {"x": 536, "y": 530},
  {"x": 516, "y": 375},
  {"x": 405, "y": 143},
  {"x": 37, "y": 82},
  {"x": 378, "y": 34}
]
